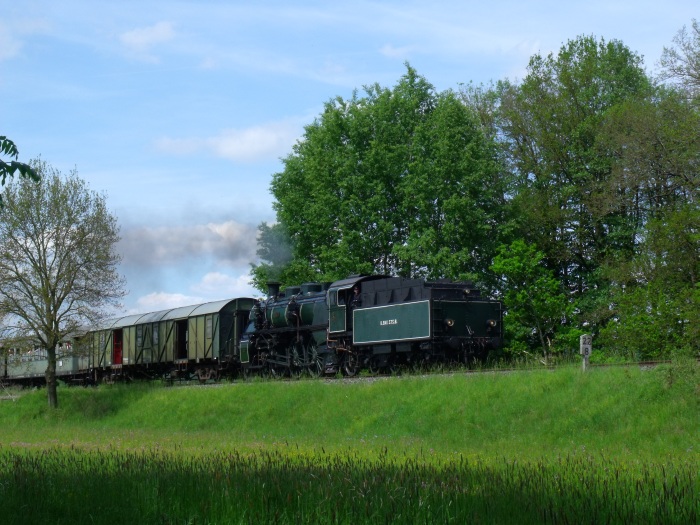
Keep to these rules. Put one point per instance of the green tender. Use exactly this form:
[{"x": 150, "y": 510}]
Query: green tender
[{"x": 398, "y": 322}]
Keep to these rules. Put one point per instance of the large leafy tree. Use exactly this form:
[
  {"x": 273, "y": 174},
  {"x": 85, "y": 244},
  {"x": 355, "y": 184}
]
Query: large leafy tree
[
  {"x": 399, "y": 181},
  {"x": 551, "y": 126},
  {"x": 656, "y": 299},
  {"x": 654, "y": 290},
  {"x": 58, "y": 264},
  {"x": 604, "y": 168},
  {"x": 654, "y": 295}
]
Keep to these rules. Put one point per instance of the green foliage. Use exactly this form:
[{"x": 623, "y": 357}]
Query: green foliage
[
  {"x": 537, "y": 307},
  {"x": 8, "y": 169},
  {"x": 600, "y": 155},
  {"x": 550, "y": 125},
  {"x": 649, "y": 305},
  {"x": 587, "y": 160},
  {"x": 401, "y": 181},
  {"x": 657, "y": 297},
  {"x": 655, "y": 144}
]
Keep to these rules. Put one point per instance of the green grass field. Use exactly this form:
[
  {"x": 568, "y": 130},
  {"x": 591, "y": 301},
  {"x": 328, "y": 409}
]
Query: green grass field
[{"x": 615, "y": 445}]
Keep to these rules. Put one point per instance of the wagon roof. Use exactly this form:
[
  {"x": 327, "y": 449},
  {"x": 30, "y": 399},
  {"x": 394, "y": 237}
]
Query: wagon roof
[
  {"x": 117, "y": 322},
  {"x": 182, "y": 312},
  {"x": 197, "y": 309}
]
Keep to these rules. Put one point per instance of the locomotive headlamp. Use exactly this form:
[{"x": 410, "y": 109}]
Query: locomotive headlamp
[
  {"x": 449, "y": 323},
  {"x": 491, "y": 323}
]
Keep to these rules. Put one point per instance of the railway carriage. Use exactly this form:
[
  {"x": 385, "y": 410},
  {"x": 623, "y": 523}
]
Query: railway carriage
[
  {"x": 28, "y": 367},
  {"x": 199, "y": 340}
]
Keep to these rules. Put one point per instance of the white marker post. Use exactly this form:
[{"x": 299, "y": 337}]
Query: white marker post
[{"x": 586, "y": 343}]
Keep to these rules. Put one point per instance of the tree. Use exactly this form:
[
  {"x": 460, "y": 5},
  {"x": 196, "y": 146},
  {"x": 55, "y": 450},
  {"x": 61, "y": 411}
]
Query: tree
[
  {"x": 604, "y": 164},
  {"x": 653, "y": 289},
  {"x": 8, "y": 169},
  {"x": 401, "y": 181},
  {"x": 656, "y": 299},
  {"x": 536, "y": 303},
  {"x": 58, "y": 265},
  {"x": 681, "y": 62},
  {"x": 551, "y": 126}
]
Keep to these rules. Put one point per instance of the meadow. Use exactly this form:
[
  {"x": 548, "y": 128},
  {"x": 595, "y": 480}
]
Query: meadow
[{"x": 612, "y": 445}]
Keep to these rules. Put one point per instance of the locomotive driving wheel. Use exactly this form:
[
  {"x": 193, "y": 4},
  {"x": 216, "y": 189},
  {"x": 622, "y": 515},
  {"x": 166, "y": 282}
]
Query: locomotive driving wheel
[
  {"x": 314, "y": 359},
  {"x": 296, "y": 360},
  {"x": 351, "y": 363},
  {"x": 374, "y": 366}
]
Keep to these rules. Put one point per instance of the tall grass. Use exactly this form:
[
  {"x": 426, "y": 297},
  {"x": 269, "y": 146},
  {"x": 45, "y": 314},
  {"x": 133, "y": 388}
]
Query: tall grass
[{"x": 70, "y": 486}]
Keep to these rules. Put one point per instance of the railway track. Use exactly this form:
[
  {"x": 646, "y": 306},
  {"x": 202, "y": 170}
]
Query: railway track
[{"x": 644, "y": 365}]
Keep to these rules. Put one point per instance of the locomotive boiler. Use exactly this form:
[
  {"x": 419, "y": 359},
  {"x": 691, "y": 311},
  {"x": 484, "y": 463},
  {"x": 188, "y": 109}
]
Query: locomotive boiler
[{"x": 287, "y": 332}]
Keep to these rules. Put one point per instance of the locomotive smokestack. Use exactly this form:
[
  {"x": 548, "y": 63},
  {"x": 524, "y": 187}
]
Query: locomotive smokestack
[{"x": 273, "y": 288}]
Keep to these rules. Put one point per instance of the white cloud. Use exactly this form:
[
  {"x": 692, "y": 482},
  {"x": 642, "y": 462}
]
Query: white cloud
[
  {"x": 213, "y": 286},
  {"x": 157, "y": 301},
  {"x": 13, "y": 32},
  {"x": 9, "y": 45},
  {"x": 264, "y": 142},
  {"x": 217, "y": 284},
  {"x": 141, "y": 40},
  {"x": 391, "y": 51}
]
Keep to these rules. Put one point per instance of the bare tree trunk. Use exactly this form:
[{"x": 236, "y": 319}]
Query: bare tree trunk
[{"x": 51, "y": 381}]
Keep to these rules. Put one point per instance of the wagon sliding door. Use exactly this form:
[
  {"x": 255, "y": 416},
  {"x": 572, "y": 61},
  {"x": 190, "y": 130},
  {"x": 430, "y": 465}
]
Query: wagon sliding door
[
  {"x": 180, "y": 349},
  {"x": 117, "y": 347},
  {"x": 202, "y": 330}
]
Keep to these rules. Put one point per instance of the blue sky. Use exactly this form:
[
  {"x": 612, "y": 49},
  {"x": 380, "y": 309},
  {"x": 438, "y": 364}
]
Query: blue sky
[{"x": 179, "y": 111}]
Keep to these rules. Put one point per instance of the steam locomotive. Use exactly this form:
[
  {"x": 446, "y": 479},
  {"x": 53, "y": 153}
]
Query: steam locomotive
[
  {"x": 374, "y": 323},
  {"x": 369, "y": 322}
]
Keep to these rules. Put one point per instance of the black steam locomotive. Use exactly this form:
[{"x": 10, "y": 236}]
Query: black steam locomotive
[{"x": 369, "y": 322}]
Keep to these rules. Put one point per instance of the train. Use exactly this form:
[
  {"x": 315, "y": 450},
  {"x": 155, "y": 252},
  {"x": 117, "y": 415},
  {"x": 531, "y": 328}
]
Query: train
[
  {"x": 371, "y": 323},
  {"x": 27, "y": 368}
]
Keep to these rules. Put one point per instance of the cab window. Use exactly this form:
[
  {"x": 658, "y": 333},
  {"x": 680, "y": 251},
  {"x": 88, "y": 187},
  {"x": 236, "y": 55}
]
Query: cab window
[{"x": 332, "y": 297}]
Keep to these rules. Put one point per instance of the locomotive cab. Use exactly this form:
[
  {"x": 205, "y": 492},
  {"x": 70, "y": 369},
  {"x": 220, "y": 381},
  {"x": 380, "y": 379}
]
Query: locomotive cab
[
  {"x": 338, "y": 301},
  {"x": 343, "y": 298}
]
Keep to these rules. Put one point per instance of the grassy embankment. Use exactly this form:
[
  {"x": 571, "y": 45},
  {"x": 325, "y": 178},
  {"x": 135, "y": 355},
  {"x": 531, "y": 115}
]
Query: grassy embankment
[{"x": 616, "y": 445}]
